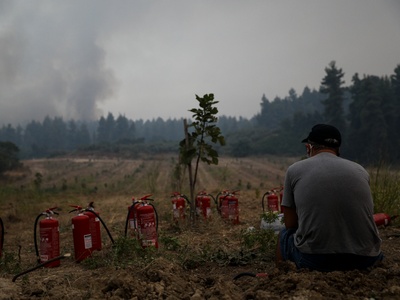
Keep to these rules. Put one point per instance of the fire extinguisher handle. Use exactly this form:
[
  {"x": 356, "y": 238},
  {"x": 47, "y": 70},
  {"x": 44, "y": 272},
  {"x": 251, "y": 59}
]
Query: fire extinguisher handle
[
  {"x": 76, "y": 208},
  {"x": 146, "y": 197}
]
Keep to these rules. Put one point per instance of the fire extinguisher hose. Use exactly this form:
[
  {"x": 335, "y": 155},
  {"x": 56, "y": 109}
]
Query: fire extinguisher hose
[
  {"x": 262, "y": 200},
  {"x": 102, "y": 222},
  {"x": 211, "y": 196},
  {"x": 35, "y": 234},
  {"x": 186, "y": 198},
  {"x": 41, "y": 265},
  {"x": 35, "y": 237},
  {"x": 250, "y": 274},
  {"x": 127, "y": 217},
  {"x": 156, "y": 214},
  {"x": 218, "y": 203}
]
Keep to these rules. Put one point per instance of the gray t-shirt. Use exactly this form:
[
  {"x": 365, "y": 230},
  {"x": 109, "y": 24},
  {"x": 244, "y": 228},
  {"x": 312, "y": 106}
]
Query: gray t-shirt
[{"x": 334, "y": 205}]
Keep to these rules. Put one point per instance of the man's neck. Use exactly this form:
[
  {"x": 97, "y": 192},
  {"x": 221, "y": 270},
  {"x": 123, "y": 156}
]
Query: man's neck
[{"x": 325, "y": 150}]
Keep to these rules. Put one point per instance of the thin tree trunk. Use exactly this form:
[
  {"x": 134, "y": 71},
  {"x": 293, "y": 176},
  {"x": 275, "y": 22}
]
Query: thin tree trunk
[{"x": 191, "y": 184}]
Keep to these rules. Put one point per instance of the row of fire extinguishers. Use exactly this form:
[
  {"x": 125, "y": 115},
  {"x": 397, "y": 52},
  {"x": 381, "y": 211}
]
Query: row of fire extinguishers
[
  {"x": 226, "y": 202},
  {"x": 141, "y": 222},
  {"x": 85, "y": 231},
  {"x": 273, "y": 199}
]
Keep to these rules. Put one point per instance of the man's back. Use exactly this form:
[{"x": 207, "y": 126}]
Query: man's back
[{"x": 334, "y": 206}]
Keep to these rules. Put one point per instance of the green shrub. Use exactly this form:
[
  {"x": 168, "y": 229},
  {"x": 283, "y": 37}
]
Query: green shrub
[{"x": 385, "y": 187}]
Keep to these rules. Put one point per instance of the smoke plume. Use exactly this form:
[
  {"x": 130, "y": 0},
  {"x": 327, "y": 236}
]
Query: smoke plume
[{"x": 51, "y": 62}]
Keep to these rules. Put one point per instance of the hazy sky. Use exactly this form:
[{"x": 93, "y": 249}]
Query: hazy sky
[{"x": 147, "y": 59}]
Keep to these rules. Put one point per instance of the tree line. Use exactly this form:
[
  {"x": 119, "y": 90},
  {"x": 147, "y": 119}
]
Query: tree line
[{"x": 366, "y": 112}]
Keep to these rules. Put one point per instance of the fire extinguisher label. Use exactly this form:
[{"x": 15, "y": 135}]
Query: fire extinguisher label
[
  {"x": 232, "y": 209},
  {"x": 88, "y": 241},
  {"x": 147, "y": 243},
  {"x": 148, "y": 226},
  {"x": 132, "y": 223},
  {"x": 44, "y": 257},
  {"x": 49, "y": 241}
]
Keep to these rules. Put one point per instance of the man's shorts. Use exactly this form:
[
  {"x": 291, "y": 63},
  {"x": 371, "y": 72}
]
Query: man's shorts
[{"x": 322, "y": 262}]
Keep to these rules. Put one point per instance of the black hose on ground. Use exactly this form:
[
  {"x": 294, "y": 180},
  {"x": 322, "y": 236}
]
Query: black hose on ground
[
  {"x": 250, "y": 274},
  {"x": 41, "y": 265}
]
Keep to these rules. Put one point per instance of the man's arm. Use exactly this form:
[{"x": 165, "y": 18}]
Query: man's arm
[
  {"x": 290, "y": 217},
  {"x": 291, "y": 222}
]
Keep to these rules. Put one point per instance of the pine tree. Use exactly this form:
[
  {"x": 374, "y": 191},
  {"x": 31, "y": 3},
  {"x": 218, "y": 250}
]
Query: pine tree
[
  {"x": 333, "y": 105},
  {"x": 368, "y": 129},
  {"x": 395, "y": 84}
]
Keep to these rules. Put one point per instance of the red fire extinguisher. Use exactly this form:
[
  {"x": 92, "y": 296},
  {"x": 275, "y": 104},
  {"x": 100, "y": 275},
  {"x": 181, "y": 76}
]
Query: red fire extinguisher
[
  {"x": 203, "y": 204},
  {"x": 178, "y": 206},
  {"x": 131, "y": 219},
  {"x": 219, "y": 200},
  {"x": 229, "y": 206},
  {"x": 382, "y": 219},
  {"x": 94, "y": 224},
  {"x": 147, "y": 225},
  {"x": 145, "y": 221},
  {"x": 49, "y": 236},
  {"x": 274, "y": 200},
  {"x": 81, "y": 234},
  {"x": 1, "y": 237}
]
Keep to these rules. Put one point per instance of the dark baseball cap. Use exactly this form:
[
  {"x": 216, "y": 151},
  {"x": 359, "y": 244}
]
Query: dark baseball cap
[{"x": 325, "y": 135}]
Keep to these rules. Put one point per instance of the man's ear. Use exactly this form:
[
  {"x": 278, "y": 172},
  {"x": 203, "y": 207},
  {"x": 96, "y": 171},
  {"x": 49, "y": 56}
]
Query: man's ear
[{"x": 308, "y": 148}]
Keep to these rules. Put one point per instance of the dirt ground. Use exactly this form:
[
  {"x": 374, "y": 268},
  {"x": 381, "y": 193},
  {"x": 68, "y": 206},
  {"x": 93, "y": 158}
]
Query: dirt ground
[
  {"x": 166, "y": 277},
  {"x": 163, "y": 279}
]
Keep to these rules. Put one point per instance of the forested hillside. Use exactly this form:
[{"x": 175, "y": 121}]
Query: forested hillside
[{"x": 366, "y": 111}]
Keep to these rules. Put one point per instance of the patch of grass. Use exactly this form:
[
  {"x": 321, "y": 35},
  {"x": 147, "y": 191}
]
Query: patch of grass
[
  {"x": 170, "y": 242},
  {"x": 10, "y": 263},
  {"x": 263, "y": 241},
  {"x": 385, "y": 187},
  {"x": 124, "y": 252}
]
